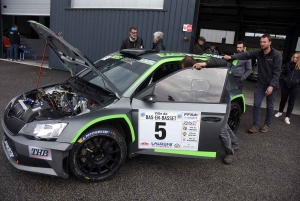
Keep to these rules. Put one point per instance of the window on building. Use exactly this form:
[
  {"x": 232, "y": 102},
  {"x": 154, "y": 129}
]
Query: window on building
[
  {"x": 273, "y": 36},
  {"x": 126, "y": 4},
  {"x": 212, "y": 35},
  {"x": 298, "y": 45}
]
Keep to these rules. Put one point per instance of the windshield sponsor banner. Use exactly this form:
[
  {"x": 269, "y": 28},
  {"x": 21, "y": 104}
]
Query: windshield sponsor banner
[
  {"x": 178, "y": 130},
  {"x": 147, "y": 61},
  {"x": 40, "y": 153}
]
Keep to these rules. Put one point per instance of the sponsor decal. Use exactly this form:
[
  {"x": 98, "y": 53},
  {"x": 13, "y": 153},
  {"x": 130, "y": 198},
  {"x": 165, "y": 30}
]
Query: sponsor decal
[
  {"x": 129, "y": 60},
  {"x": 179, "y": 116},
  {"x": 191, "y": 114},
  {"x": 146, "y": 144},
  {"x": 117, "y": 57},
  {"x": 184, "y": 128},
  {"x": 95, "y": 133},
  {"x": 143, "y": 114},
  {"x": 9, "y": 150},
  {"x": 147, "y": 61},
  {"x": 162, "y": 144},
  {"x": 184, "y": 133},
  {"x": 190, "y": 123},
  {"x": 177, "y": 145},
  {"x": 40, "y": 153}
]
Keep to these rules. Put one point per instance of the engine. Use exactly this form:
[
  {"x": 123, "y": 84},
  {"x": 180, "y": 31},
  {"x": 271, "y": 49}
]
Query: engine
[{"x": 52, "y": 103}]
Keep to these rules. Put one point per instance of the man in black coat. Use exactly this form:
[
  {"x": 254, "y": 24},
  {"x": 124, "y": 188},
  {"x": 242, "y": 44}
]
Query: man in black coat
[
  {"x": 132, "y": 41},
  {"x": 14, "y": 38},
  {"x": 199, "y": 46},
  {"x": 269, "y": 69}
]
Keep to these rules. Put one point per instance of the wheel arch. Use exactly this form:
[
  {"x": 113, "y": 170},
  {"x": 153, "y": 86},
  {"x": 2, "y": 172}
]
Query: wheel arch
[
  {"x": 121, "y": 122},
  {"x": 240, "y": 99}
]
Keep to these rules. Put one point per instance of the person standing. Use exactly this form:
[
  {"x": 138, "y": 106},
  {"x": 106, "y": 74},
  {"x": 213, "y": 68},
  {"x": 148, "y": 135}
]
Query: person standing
[
  {"x": 269, "y": 69},
  {"x": 158, "y": 38},
  {"x": 228, "y": 139},
  {"x": 291, "y": 86},
  {"x": 14, "y": 38},
  {"x": 133, "y": 40},
  {"x": 199, "y": 46},
  {"x": 212, "y": 49},
  {"x": 241, "y": 69}
]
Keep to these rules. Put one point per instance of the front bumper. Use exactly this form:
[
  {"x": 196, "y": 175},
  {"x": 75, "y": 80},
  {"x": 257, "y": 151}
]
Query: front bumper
[{"x": 44, "y": 157}]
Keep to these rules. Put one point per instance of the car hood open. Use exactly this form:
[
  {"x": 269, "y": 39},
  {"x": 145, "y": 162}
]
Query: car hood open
[{"x": 69, "y": 55}]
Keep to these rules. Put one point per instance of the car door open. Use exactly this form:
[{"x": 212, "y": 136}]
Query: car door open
[{"x": 181, "y": 114}]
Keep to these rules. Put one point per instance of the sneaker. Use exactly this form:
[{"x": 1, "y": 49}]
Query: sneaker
[
  {"x": 228, "y": 159},
  {"x": 18, "y": 60},
  {"x": 264, "y": 129},
  {"x": 287, "y": 120},
  {"x": 235, "y": 146},
  {"x": 253, "y": 129},
  {"x": 10, "y": 59},
  {"x": 278, "y": 114}
]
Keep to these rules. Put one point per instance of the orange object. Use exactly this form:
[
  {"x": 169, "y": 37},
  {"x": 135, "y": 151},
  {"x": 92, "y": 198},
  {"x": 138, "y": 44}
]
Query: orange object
[
  {"x": 185, "y": 38},
  {"x": 6, "y": 42}
]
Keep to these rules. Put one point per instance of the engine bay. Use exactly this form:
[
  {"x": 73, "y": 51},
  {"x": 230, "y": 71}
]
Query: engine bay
[{"x": 54, "y": 102}]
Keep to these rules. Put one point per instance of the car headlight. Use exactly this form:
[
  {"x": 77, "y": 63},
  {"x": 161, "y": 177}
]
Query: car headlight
[{"x": 43, "y": 131}]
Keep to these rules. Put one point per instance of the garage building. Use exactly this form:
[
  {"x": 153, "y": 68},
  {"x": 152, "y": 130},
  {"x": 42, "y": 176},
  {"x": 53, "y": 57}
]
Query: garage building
[{"x": 97, "y": 28}]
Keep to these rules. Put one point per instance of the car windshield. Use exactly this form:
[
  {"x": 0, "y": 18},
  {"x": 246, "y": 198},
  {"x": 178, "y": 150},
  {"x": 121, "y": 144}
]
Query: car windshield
[{"x": 121, "y": 71}]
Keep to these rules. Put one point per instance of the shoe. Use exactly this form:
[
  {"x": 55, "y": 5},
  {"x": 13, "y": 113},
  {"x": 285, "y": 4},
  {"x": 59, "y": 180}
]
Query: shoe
[
  {"x": 287, "y": 120},
  {"x": 228, "y": 159},
  {"x": 18, "y": 60},
  {"x": 278, "y": 114},
  {"x": 235, "y": 146},
  {"x": 10, "y": 59},
  {"x": 253, "y": 129},
  {"x": 264, "y": 129}
]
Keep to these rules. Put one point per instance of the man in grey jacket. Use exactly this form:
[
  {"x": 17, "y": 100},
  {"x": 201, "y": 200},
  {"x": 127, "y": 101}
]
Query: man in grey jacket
[
  {"x": 269, "y": 69},
  {"x": 241, "y": 69}
]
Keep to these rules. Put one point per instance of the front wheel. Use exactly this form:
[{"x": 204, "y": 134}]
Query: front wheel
[
  {"x": 98, "y": 154},
  {"x": 234, "y": 116}
]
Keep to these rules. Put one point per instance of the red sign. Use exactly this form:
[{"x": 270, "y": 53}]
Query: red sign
[{"x": 189, "y": 28}]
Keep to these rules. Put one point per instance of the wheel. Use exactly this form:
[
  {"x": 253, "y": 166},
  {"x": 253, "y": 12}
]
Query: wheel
[
  {"x": 98, "y": 154},
  {"x": 234, "y": 116}
]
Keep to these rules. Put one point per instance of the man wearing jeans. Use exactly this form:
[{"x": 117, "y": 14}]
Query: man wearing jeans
[
  {"x": 14, "y": 38},
  {"x": 269, "y": 69}
]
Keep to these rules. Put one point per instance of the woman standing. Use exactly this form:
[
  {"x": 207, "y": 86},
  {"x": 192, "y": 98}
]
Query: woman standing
[{"x": 291, "y": 86}]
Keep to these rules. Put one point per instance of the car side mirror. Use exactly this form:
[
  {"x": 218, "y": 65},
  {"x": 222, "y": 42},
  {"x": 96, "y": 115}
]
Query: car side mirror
[{"x": 150, "y": 98}]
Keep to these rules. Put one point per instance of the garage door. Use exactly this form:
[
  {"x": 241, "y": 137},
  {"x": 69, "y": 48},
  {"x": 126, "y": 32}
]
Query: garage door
[{"x": 26, "y": 7}]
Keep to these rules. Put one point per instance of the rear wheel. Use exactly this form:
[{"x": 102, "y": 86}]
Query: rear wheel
[
  {"x": 234, "y": 116},
  {"x": 98, "y": 154}
]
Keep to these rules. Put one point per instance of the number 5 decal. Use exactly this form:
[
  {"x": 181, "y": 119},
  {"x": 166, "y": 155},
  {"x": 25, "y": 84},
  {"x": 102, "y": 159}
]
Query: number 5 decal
[{"x": 162, "y": 130}]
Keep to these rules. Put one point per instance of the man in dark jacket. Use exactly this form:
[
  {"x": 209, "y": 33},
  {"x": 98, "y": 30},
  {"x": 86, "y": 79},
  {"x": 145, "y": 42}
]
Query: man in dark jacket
[
  {"x": 133, "y": 41},
  {"x": 14, "y": 38},
  {"x": 228, "y": 139},
  {"x": 241, "y": 69},
  {"x": 158, "y": 38},
  {"x": 199, "y": 46},
  {"x": 269, "y": 69}
]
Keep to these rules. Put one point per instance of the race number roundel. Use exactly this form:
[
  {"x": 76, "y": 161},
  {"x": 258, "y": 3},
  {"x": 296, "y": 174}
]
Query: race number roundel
[{"x": 177, "y": 130}]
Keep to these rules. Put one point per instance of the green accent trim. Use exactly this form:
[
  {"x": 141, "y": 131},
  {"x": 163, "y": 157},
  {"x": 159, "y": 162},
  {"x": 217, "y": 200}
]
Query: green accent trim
[
  {"x": 240, "y": 96},
  {"x": 189, "y": 153},
  {"x": 234, "y": 62},
  {"x": 116, "y": 57},
  {"x": 116, "y": 116},
  {"x": 230, "y": 72},
  {"x": 208, "y": 55}
]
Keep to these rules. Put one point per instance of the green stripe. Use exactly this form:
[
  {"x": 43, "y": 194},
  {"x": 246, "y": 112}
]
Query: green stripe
[
  {"x": 189, "y": 153},
  {"x": 117, "y": 116},
  {"x": 234, "y": 62},
  {"x": 240, "y": 96}
]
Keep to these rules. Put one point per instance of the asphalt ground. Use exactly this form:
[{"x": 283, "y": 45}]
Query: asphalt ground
[{"x": 266, "y": 166}]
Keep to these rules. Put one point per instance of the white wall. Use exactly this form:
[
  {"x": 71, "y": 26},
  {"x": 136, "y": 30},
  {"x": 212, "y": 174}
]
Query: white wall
[
  {"x": 26, "y": 7},
  {"x": 138, "y": 4}
]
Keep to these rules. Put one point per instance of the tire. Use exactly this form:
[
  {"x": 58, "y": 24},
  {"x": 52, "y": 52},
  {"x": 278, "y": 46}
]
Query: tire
[
  {"x": 234, "y": 116},
  {"x": 98, "y": 154}
]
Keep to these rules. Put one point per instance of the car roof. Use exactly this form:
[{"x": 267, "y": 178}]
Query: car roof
[{"x": 160, "y": 55}]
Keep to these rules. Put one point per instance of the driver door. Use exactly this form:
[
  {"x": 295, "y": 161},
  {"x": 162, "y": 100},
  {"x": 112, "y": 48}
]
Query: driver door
[{"x": 180, "y": 115}]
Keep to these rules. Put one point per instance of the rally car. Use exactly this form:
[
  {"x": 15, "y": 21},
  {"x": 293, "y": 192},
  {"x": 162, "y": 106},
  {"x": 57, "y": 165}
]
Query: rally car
[{"x": 128, "y": 103}]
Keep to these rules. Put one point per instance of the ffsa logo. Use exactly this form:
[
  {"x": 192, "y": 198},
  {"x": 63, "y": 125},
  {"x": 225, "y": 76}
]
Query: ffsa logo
[{"x": 40, "y": 153}]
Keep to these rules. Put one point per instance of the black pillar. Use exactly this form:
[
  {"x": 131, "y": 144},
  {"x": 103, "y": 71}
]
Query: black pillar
[{"x": 289, "y": 47}]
